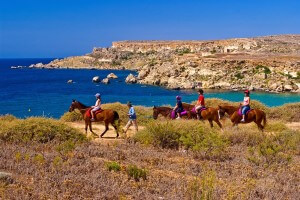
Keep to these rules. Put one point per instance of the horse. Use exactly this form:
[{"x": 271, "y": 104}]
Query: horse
[
  {"x": 254, "y": 115},
  {"x": 164, "y": 111},
  {"x": 210, "y": 114},
  {"x": 108, "y": 116}
]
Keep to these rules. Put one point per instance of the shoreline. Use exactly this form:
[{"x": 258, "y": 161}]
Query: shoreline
[{"x": 181, "y": 89}]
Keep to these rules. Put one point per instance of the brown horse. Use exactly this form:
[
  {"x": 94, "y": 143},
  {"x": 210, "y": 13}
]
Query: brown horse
[
  {"x": 254, "y": 115},
  {"x": 164, "y": 111},
  {"x": 210, "y": 114},
  {"x": 108, "y": 116}
]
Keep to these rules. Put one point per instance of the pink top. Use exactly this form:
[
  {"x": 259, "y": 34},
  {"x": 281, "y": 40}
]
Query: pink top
[{"x": 246, "y": 101}]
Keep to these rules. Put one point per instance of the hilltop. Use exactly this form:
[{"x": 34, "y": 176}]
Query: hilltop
[{"x": 269, "y": 63}]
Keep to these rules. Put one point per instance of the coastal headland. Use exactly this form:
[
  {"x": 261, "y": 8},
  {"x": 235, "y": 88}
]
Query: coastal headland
[{"x": 269, "y": 63}]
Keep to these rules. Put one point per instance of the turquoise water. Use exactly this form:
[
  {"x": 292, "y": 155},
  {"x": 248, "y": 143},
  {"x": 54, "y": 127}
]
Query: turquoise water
[{"x": 37, "y": 92}]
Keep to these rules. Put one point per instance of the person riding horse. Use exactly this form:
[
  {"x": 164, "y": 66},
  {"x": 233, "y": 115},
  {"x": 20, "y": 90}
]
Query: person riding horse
[
  {"x": 200, "y": 103},
  {"x": 96, "y": 107},
  {"x": 246, "y": 105},
  {"x": 179, "y": 107}
]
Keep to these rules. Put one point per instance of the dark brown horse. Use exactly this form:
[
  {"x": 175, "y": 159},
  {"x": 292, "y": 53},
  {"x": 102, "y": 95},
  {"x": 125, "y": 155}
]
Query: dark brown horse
[
  {"x": 164, "y": 111},
  {"x": 210, "y": 114},
  {"x": 254, "y": 115},
  {"x": 107, "y": 116}
]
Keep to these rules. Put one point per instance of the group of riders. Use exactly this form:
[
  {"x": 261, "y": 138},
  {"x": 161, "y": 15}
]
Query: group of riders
[
  {"x": 198, "y": 111},
  {"x": 200, "y": 105},
  {"x": 178, "y": 109}
]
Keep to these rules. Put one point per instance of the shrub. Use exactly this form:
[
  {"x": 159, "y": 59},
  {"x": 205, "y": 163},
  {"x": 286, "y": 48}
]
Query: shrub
[
  {"x": 239, "y": 75},
  {"x": 38, "y": 129},
  {"x": 113, "y": 166},
  {"x": 7, "y": 117},
  {"x": 165, "y": 135},
  {"x": 71, "y": 116},
  {"x": 202, "y": 140},
  {"x": 287, "y": 112},
  {"x": 136, "y": 173}
]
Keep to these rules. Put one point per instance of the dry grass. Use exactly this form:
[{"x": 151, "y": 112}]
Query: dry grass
[{"x": 167, "y": 160}]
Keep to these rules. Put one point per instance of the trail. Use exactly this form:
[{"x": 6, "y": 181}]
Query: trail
[{"x": 98, "y": 128}]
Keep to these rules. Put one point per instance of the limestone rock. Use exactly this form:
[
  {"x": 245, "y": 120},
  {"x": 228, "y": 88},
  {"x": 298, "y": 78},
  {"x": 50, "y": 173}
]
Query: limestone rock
[
  {"x": 288, "y": 87},
  {"x": 105, "y": 81},
  {"x": 131, "y": 79},
  {"x": 96, "y": 79},
  {"x": 111, "y": 76},
  {"x": 6, "y": 178}
]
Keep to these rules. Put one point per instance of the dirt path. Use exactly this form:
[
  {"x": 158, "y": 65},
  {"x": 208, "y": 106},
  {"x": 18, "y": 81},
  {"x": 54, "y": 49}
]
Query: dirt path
[{"x": 98, "y": 128}]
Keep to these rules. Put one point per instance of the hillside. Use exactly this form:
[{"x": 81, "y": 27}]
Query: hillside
[{"x": 270, "y": 63}]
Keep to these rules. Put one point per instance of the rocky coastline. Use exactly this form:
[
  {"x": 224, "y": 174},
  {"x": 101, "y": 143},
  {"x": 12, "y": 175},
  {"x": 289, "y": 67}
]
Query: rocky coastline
[{"x": 270, "y": 63}]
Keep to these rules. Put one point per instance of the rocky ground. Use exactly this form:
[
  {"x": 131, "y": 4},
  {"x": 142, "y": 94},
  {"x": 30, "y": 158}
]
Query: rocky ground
[{"x": 270, "y": 63}]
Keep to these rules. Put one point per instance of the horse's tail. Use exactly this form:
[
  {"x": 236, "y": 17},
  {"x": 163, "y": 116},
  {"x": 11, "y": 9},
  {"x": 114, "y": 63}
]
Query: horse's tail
[{"x": 117, "y": 118}]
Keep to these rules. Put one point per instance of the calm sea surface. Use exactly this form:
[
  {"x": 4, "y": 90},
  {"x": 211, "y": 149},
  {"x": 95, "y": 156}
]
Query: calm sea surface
[{"x": 36, "y": 92}]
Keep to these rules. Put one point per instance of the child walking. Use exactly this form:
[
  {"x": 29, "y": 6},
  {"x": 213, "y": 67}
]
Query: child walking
[{"x": 132, "y": 118}]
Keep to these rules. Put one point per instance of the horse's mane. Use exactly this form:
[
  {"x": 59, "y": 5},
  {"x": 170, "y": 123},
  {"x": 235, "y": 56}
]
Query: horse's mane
[{"x": 81, "y": 104}]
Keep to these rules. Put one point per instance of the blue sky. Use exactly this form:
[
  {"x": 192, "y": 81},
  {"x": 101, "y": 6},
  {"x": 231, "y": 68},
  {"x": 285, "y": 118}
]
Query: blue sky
[{"x": 60, "y": 28}]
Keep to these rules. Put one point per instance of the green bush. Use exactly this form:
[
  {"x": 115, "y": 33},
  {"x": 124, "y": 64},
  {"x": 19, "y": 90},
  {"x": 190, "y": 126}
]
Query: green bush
[
  {"x": 201, "y": 139},
  {"x": 165, "y": 135},
  {"x": 113, "y": 166},
  {"x": 71, "y": 116},
  {"x": 136, "y": 173},
  {"x": 38, "y": 129}
]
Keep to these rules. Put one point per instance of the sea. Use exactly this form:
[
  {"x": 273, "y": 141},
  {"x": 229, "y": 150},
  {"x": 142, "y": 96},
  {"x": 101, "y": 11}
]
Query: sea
[{"x": 29, "y": 92}]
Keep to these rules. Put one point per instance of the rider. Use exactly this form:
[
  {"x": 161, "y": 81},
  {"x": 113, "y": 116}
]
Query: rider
[
  {"x": 97, "y": 106},
  {"x": 246, "y": 104},
  {"x": 179, "y": 107},
  {"x": 200, "y": 103}
]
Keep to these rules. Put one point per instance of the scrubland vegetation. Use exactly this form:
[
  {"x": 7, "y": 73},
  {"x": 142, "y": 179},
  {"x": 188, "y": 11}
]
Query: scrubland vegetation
[{"x": 177, "y": 159}]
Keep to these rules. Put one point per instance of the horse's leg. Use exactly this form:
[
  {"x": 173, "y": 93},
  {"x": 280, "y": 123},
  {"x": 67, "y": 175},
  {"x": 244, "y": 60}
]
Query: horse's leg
[
  {"x": 219, "y": 123},
  {"x": 106, "y": 128},
  {"x": 211, "y": 123},
  {"x": 116, "y": 127},
  {"x": 91, "y": 129},
  {"x": 86, "y": 126}
]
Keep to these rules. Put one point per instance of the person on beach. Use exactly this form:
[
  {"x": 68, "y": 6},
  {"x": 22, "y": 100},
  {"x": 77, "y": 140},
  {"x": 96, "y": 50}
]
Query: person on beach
[
  {"x": 200, "y": 103},
  {"x": 97, "y": 106},
  {"x": 132, "y": 118},
  {"x": 179, "y": 107},
  {"x": 245, "y": 105}
]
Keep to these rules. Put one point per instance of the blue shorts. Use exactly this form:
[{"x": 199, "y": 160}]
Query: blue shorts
[{"x": 245, "y": 109}]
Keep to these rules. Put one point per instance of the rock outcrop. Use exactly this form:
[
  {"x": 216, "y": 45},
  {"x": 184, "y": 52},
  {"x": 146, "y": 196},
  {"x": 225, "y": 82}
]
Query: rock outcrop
[
  {"x": 131, "y": 79},
  {"x": 270, "y": 63},
  {"x": 96, "y": 79},
  {"x": 112, "y": 76},
  {"x": 105, "y": 81}
]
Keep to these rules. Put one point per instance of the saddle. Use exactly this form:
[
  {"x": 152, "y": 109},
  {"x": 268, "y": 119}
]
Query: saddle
[
  {"x": 201, "y": 109},
  {"x": 173, "y": 114},
  {"x": 240, "y": 112},
  {"x": 88, "y": 112}
]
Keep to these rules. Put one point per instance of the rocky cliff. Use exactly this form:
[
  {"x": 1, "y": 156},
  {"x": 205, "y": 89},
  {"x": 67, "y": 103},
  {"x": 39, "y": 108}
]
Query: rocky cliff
[{"x": 270, "y": 63}]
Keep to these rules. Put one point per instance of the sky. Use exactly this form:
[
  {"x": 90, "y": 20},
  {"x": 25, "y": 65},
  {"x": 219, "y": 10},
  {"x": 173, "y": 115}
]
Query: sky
[{"x": 61, "y": 28}]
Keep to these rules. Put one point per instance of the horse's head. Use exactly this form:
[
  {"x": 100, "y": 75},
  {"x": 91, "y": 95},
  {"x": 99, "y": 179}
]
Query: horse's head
[
  {"x": 221, "y": 111},
  {"x": 155, "y": 112},
  {"x": 72, "y": 106}
]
